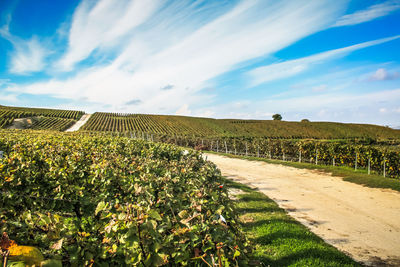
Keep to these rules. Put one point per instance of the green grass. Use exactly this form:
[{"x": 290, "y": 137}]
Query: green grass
[
  {"x": 279, "y": 240},
  {"x": 348, "y": 174}
]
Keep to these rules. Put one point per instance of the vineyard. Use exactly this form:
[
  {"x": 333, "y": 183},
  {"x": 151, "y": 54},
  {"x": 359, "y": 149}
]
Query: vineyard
[
  {"x": 384, "y": 160},
  {"x": 88, "y": 199},
  {"x": 205, "y": 127},
  {"x": 9, "y": 114},
  {"x": 57, "y": 124}
]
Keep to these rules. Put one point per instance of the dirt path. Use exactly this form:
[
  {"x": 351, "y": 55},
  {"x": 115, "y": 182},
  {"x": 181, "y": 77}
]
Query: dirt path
[
  {"x": 79, "y": 123},
  {"x": 363, "y": 222}
]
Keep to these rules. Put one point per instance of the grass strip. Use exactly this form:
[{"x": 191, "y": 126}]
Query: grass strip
[
  {"x": 359, "y": 176},
  {"x": 277, "y": 239}
]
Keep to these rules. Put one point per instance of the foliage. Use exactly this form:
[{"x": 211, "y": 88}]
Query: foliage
[
  {"x": 91, "y": 199},
  {"x": 277, "y": 117},
  {"x": 56, "y": 124},
  {"x": 8, "y": 114},
  {"x": 141, "y": 124},
  {"x": 339, "y": 153}
]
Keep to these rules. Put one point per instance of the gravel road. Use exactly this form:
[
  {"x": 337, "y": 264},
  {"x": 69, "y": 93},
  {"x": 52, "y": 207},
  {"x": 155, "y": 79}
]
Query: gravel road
[{"x": 360, "y": 221}]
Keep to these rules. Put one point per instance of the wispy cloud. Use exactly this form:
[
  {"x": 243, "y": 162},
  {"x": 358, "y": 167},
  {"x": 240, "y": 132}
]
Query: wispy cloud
[
  {"x": 382, "y": 74},
  {"x": 368, "y": 14},
  {"x": 133, "y": 102},
  {"x": 184, "y": 45},
  {"x": 101, "y": 25},
  {"x": 184, "y": 110},
  {"x": 293, "y": 67},
  {"x": 28, "y": 55}
]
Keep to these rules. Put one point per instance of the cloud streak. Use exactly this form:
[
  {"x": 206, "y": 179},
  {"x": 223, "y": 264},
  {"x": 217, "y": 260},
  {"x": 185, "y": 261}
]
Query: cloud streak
[
  {"x": 368, "y": 14},
  {"x": 28, "y": 55},
  {"x": 290, "y": 68},
  {"x": 102, "y": 25},
  {"x": 184, "y": 45},
  {"x": 382, "y": 74}
]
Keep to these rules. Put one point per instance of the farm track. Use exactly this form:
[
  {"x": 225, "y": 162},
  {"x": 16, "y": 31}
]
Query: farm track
[
  {"x": 360, "y": 221},
  {"x": 79, "y": 123}
]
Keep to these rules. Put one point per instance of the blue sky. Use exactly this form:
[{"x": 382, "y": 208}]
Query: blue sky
[{"x": 322, "y": 60}]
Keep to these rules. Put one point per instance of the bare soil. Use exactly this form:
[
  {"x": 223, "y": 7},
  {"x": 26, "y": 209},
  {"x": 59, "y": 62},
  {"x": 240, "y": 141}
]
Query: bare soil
[
  {"x": 22, "y": 123},
  {"x": 360, "y": 221}
]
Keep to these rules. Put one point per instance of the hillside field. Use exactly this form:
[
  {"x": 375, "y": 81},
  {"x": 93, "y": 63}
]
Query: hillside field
[
  {"x": 206, "y": 127},
  {"x": 37, "y": 118}
]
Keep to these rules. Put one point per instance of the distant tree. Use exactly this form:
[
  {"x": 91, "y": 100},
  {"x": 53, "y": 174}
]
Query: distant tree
[
  {"x": 277, "y": 117},
  {"x": 305, "y": 120}
]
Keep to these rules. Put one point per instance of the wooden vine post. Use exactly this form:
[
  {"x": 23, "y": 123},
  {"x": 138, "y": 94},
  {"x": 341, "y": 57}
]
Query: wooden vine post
[
  {"x": 384, "y": 167},
  {"x": 369, "y": 166},
  {"x": 355, "y": 164}
]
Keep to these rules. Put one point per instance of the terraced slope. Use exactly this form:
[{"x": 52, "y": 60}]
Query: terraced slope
[
  {"x": 182, "y": 125},
  {"x": 38, "y": 118}
]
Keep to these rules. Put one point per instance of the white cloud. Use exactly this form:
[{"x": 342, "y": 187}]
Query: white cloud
[
  {"x": 101, "y": 25},
  {"x": 182, "y": 46},
  {"x": 207, "y": 113},
  {"x": 184, "y": 110},
  {"x": 344, "y": 100},
  {"x": 292, "y": 67},
  {"x": 28, "y": 55},
  {"x": 8, "y": 97},
  {"x": 373, "y": 107},
  {"x": 382, "y": 74},
  {"x": 368, "y": 14}
]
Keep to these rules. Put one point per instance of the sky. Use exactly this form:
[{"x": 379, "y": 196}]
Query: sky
[{"x": 321, "y": 60}]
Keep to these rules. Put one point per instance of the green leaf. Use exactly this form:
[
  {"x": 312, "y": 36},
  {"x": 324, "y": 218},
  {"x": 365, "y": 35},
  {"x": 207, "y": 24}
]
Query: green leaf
[
  {"x": 100, "y": 207},
  {"x": 14, "y": 263},
  {"x": 156, "y": 260},
  {"x": 155, "y": 215},
  {"x": 51, "y": 263},
  {"x": 236, "y": 254},
  {"x": 183, "y": 214}
]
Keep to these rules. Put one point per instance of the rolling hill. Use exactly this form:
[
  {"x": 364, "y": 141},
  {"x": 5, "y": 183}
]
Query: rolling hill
[{"x": 207, "y": 127}]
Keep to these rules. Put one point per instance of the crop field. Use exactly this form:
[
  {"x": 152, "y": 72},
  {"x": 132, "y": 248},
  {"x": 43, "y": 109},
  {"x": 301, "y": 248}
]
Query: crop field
[
  {"x": 383, "y": 159},
  {"x": 8, "y": 114},
  {"x": 124, "y": 190},
  {"x": 205, "y": 127},
  {"x": 53, "y": 123},
  {"x": 108, "y": 201}
]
